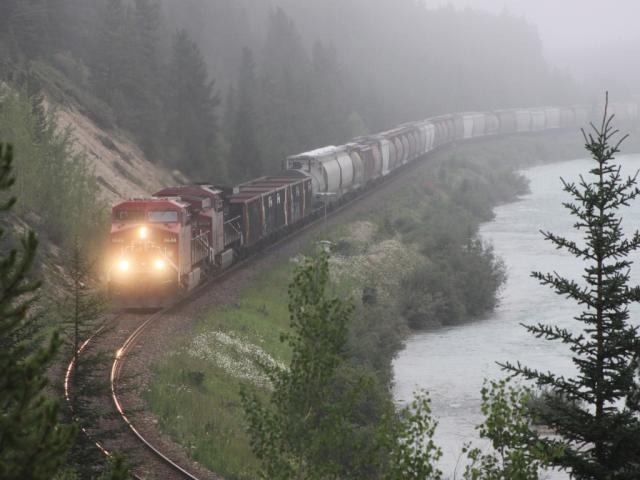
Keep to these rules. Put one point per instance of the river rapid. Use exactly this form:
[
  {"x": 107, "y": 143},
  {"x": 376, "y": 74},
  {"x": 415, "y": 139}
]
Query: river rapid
[{"x": 451, "y": 363}]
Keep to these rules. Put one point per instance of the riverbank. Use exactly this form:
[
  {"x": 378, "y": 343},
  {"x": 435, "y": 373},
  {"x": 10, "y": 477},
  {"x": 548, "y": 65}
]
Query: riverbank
[
  {"x": 420, "y": 240},
  {"x": 452, "y": 363}
]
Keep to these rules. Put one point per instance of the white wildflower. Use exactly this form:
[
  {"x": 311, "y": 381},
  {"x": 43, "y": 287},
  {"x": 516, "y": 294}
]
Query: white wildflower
[{"x": 236, "y": 356}]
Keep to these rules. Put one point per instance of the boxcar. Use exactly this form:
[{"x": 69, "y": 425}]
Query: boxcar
[{"x": 268, "y": 205}]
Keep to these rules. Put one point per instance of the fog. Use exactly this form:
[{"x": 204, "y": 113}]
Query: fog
[{"x": 574, "y": 32}]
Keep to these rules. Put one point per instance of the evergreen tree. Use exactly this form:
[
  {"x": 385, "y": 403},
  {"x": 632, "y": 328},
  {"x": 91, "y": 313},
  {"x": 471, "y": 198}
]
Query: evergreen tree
[
  {"x": 591, "y": 412},
  {"x": 286, "y": 93},
  {"x": 246, "y": 162},
  {"x": 331, "y": 97},
  {"x": 110, "y": 66},
  {"x": 28, "y": 24},
  {"x": 80, "y": 310},
  {"x": 33, "y": 444},
  {"x": 192, "y": 125},
  {"x": 146, "y": 91}
]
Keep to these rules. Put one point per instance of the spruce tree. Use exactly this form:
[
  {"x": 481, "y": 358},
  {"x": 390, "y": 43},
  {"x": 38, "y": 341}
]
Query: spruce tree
[
  {"x": 81, "y": 310},
  {"x": 110, "y": 59},
  {"x": 593, "y": 412},
  {"x": 192, "y": 127},
  {"x": 147, "y": 88},
  {"x": 33, "y": 444},
  {"x": 246, "y": 161}
]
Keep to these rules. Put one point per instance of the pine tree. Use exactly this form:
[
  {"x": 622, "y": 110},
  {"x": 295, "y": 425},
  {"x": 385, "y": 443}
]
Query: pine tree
[
  {"x": 147, "y": 89},
  {"x": 28, "y": 23},
  {"x": 33, "y": 444},
  {"x": 286, "y": 93},
  {"x": 110, "y": 58},
  {"x": 193, "y": 125},
  {"x": 591, "y": 412},
  {"x": 80, "y": 310},
  {"x": 246, "y": 160}
]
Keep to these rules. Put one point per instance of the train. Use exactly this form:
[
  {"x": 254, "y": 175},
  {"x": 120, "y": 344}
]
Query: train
[{"x": 167, "y": 244}]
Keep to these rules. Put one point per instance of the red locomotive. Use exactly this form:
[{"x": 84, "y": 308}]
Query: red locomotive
[{"x": 166, "y": 244}]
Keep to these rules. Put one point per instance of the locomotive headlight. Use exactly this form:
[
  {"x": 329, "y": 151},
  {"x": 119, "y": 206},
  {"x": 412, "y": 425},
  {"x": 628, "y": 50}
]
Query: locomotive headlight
[
  {"x": 159, "y": 264},
  {"x": 143, "y": 232},
  {"x": 124, "y": 265}
]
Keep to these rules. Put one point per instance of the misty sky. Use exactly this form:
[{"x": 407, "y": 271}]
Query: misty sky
[{"x": 568, "y": 25}]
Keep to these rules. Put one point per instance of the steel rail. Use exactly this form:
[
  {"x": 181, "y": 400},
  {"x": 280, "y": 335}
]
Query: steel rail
[
  {"x": 67, "y": 389},
  {"x": 116, "y": 369}
]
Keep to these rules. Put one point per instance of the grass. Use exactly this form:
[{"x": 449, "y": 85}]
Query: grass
[{"x": 197, "y": 400}]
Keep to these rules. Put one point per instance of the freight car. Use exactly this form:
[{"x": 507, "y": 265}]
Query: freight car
[{"x": 166, "y": 244}]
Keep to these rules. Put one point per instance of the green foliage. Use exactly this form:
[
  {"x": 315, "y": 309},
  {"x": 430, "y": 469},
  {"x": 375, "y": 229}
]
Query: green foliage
[
  {"x": 591, "y": 412},
  {"x": 79, "y": 309},
  {"x": 55, "y": 184},
  {"x": 409, "y": 440},
  {"x": 33, "y": 444},
  {"x": 462, "y": 276},
  {"x": 516, "y": 450},
  {"x": 310, "y": 426},
  {"x": 117, "y": 469}
]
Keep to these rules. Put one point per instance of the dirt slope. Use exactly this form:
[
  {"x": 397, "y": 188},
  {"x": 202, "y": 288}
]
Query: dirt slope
[{"x": 120, "y": 166}]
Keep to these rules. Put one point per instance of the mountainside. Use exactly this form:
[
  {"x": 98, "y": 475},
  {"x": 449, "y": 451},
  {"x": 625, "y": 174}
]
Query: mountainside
[{"x": 119, "y": 165}]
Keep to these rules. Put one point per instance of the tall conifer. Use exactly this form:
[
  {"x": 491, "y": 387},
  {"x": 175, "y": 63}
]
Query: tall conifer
[
  {"x": 246, "y": 160},
  {"x": 32, "y": 442},
  {"x": 593, "y": 412},
  {"x": 193, "y": 124}
]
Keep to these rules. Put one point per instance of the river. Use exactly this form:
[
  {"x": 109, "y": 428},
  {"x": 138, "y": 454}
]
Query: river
[{"x": 451, "y": 363}]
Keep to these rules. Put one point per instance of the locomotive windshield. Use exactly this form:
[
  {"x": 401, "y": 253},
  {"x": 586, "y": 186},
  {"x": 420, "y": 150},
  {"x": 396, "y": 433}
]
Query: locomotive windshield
[
  {"x": 167, "y": 216},
  {"x": 130, "y": 215}
]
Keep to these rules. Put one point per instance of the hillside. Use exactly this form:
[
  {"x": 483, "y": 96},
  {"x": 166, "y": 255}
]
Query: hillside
[{"x": 119, "y": 165}]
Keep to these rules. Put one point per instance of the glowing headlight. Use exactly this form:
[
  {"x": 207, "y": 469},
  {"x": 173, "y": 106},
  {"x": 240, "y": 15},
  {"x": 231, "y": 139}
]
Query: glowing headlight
[
  {"x": 123, "y": 265},
  {"x": 159, "y": 264},
  {"x": 143, "y": 232}
]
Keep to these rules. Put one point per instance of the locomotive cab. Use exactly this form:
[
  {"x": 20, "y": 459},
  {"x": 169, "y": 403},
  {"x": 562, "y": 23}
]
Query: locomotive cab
[{"x": 144, "y": 261}]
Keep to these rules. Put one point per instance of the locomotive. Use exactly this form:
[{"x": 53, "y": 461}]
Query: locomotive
[{"x": 168, "y": 243}]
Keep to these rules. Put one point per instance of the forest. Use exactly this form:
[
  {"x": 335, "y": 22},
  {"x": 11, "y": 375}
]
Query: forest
[{"x": 225, "y": 90}]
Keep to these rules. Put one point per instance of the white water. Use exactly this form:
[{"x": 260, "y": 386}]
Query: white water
[{"x": 452, "y": 363}]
